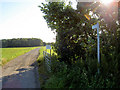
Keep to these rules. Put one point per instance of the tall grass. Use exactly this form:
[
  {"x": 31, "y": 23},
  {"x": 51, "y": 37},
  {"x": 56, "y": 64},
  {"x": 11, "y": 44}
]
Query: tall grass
[
  {"x": 41, "y": 68},
  {"x": 40, "y": 58}
]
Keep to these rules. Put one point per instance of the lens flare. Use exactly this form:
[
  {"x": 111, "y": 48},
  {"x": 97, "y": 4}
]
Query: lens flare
[{"x": 106, "y": 1}]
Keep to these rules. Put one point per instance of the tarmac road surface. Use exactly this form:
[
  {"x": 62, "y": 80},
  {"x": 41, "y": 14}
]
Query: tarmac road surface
[{"x": 22, "y": 72}]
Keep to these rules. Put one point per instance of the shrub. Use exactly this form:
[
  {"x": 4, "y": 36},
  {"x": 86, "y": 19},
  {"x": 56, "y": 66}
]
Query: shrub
[{"x": 78, "y": 76}]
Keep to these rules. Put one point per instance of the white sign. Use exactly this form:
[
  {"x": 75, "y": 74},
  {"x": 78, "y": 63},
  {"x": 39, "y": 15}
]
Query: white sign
[
  {"x": 48, "y": 47},
  {"x": 95, "y": 26}
]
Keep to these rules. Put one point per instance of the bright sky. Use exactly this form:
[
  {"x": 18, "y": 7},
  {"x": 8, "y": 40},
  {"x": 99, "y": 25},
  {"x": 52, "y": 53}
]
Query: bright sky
[{"x": 23, "y": 19}]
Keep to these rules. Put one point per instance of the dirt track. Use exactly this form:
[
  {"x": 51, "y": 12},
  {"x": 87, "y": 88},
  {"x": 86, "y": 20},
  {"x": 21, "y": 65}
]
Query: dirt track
[{"x": 22, "y": 72}]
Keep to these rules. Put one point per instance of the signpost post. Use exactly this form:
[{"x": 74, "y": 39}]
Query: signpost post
[{"x": 96, "y": 26}]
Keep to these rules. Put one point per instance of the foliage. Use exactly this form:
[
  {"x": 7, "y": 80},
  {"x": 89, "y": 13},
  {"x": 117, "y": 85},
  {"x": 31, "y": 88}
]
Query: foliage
[
  {"x": 77, "y": 42},
  {"x": 75, "y": 38},
  {"x": 43, "y": 73},
  {"x": 22, "y": 42},
  {"x": 41, "y": 67},
  {"x": 77, "y": 76},
  {"x": 71, "y": 37}
]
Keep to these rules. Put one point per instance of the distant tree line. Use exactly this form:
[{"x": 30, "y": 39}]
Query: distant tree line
[{"x": 22, "y": 42}]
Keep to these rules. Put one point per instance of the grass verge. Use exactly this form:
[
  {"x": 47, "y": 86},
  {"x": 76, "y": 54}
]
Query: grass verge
[{"x": 43, "y": 73}]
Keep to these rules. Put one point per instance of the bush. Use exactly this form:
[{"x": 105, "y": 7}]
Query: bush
[
  {"x": 79, "y": 76},
  {"x": 76, "y": 46}
]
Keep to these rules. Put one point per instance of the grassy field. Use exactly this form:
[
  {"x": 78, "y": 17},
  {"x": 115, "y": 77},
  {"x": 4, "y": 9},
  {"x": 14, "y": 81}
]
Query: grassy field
[{"x": 11, "y": 53}]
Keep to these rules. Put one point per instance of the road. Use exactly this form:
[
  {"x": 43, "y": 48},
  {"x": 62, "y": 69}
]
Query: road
[{"x": 22, "y": 72}]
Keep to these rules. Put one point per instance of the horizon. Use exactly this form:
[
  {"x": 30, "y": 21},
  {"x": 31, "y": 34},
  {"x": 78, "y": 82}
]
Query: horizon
[
  {"x": 25, "y": 38},
  {"x": 24, "y": 20}
]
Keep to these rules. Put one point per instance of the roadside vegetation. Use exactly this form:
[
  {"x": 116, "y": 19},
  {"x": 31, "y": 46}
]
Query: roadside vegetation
[
  {"x": 11, "y": 53},
  {"x": 41, "y": 67},
  {"x": 43, "y": 72},
  {"x": 76, "y": 64}
]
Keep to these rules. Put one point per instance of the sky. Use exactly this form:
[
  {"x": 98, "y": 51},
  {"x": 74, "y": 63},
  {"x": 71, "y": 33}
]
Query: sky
[{"x": 23, "y": 19}]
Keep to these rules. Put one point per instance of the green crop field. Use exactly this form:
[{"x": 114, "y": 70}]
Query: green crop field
[{"x": 11, "y": 53}]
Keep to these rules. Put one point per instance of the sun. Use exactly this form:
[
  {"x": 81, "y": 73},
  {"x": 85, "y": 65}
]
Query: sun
[{"x": 106, "y": 1}]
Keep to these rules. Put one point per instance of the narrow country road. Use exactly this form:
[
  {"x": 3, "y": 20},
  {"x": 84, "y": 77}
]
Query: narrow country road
[{"x": 22, "y": 72}]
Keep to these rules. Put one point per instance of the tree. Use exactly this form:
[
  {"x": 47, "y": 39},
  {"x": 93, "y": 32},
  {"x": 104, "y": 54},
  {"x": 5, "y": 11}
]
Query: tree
[
  {"x": 75, "y": 37},
  {"x": 22, "y": 42},
  {"x": 76, "y": 40},
  {"x": 71, "y": 28}
]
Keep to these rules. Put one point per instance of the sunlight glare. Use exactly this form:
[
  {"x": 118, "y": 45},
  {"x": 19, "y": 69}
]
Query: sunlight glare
[{"x": 106, "y": 1}]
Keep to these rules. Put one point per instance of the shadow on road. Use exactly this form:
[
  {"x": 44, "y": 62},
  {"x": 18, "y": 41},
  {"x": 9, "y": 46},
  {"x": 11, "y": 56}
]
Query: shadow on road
[{"x": 22, "y": 78}]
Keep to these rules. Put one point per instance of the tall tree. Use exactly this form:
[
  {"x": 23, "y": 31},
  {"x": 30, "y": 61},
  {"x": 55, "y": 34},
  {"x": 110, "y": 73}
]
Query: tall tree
[
  {"x": 75, "y": 37},
  {"x": 71, "y": 28}
]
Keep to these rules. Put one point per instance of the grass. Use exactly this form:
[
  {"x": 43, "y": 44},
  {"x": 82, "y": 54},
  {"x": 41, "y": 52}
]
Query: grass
[
  {"x": 40, "y": 58},
  {"x": 11, "y": 53},
  {"x": 41, "y": 69},
  {"x": 44, "y": 75}
]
